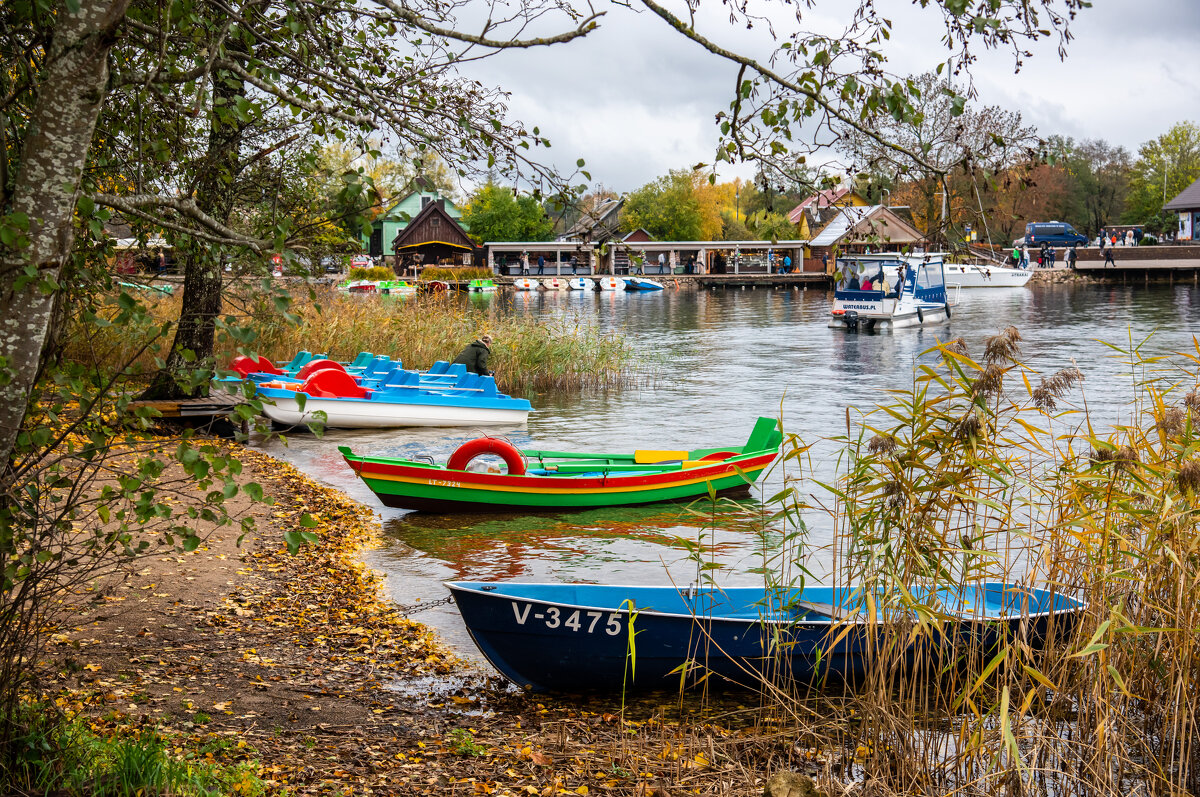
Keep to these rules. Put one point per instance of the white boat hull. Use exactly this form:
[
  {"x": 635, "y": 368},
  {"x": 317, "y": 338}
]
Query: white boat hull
[
  {"x": 525, "y": 284},
  {"x": 973, "y": 276},
  {"x": 611, "y": 284},
  {"x": 341, "y": 414},
  {"x": 580, "y": 284},
  {"x": 554, "y": 284}
]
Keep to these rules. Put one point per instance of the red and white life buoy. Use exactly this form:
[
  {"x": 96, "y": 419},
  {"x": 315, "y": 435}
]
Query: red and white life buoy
[{"x": 512, "y": 457}]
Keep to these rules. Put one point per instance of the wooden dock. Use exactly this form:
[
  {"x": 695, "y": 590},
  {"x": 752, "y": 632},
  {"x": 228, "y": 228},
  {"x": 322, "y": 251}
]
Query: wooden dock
[{"x": 206, "y": 412}]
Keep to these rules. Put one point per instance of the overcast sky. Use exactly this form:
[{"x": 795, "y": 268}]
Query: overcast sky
[{"x": 635, "y": 99}]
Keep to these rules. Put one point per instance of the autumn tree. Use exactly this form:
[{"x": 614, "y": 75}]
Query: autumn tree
[{"x": 680, "y": 206}]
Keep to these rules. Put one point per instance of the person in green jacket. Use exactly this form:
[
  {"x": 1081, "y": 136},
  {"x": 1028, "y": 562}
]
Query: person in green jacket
[{"x": 475, "y": 356}]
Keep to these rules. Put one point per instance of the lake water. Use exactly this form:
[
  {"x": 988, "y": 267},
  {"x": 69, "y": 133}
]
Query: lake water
[{"x": 718, "y": 360}]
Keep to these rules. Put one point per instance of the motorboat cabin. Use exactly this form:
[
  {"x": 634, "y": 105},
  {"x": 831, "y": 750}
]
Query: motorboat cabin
[{"x": 889, "y": 291}]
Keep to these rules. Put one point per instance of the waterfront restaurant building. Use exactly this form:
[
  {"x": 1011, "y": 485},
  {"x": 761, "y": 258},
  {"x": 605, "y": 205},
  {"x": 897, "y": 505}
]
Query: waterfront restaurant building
[{"x": 1187, "y": 205}]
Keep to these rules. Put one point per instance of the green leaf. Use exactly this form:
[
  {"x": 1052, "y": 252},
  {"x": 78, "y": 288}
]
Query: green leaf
[{"x": 307, "y": 521}]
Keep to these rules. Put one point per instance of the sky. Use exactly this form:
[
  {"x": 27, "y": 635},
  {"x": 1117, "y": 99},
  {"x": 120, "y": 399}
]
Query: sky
[{"x": 636, "y": 99}]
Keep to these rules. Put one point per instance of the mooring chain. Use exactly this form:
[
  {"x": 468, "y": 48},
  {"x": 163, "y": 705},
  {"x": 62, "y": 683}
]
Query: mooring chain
[{"x": 412, "y": 608}]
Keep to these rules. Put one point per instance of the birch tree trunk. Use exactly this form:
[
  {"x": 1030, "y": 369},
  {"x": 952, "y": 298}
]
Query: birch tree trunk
[{"x": 69, "y": 96}]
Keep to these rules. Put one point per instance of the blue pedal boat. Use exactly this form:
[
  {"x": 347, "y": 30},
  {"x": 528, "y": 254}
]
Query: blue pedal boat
[{"x": 591, "y": 637}]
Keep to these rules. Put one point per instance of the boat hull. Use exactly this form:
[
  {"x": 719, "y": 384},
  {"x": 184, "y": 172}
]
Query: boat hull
[
  {"x": 972, "y": 276},
  {"x": 365, "y": 414},
  {"x": 878, "y": 322},
  {"x": 577, "y": 637},
  {"x": 402, "y": 485},
  {"x": 641, "y": 284}
]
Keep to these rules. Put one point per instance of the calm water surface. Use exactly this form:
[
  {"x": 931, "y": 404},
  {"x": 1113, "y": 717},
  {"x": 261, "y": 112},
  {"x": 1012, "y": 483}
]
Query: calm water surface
[{"x": 719, "y": 360}]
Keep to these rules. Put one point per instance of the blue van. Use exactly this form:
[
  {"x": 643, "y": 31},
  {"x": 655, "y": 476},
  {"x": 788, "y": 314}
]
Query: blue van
[{"x": 1055, "y": 233}]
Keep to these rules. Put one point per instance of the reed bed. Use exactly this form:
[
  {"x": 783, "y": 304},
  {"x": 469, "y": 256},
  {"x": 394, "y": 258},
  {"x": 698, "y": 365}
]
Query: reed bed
[
  {"x": 528, "y": 354},
  {"x": 985, "y": 471}
]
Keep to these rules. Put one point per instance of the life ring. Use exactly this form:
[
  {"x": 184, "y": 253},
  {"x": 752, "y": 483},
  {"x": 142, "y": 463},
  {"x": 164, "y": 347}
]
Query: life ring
[{"x": 512, "y": 457}]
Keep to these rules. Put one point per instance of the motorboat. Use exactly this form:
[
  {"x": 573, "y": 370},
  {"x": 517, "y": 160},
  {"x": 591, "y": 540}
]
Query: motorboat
[
  {"x": 980, "y": 275},
  {"x": 900, "y": 291}
]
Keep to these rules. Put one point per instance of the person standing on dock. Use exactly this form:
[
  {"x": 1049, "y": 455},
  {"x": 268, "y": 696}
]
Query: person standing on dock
[
  {"x": 787, "y": 264},
  {"x": 1016, "y": 257},
  {"x": 475, "y": 356},
  {"x": 541, "y": 265},
  {"x": 1108, "y": 257},
  {"x": 524, "y": 264}
]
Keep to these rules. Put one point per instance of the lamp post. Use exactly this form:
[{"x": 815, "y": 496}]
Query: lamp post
[{"x": 737, "y": 202}]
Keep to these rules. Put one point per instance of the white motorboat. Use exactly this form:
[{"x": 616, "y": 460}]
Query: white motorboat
[
  {"x": 872, "y": 295},
  {"x": 971, "y": 275},
  {"x": 611, "y": 284},
  {"x": 525, "y": 284}
]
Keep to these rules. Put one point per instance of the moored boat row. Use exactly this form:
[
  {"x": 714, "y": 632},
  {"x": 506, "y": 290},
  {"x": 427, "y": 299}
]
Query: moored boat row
[{"x": 587, "y": 284}]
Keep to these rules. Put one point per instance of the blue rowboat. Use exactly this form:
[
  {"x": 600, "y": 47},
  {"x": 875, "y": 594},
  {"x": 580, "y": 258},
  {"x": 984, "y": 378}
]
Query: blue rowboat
[{"x": 577, "y": 637}]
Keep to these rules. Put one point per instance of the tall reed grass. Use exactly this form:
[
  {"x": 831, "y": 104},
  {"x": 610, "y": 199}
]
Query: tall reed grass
[
  {"x": 986, "y": 471},
  {"x": 528, "y": 354}
]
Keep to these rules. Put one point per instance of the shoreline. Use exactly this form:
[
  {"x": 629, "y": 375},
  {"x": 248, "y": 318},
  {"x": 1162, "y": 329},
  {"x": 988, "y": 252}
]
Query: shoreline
[{"x": 301, "y": 666}]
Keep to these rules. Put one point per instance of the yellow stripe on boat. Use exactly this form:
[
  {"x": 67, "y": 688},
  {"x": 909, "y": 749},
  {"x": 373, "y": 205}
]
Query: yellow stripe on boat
[{"x": 650, "y": 456}]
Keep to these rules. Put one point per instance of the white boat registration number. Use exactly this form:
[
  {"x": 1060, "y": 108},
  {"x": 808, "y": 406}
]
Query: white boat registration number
[{"x": 579, "y": 620}]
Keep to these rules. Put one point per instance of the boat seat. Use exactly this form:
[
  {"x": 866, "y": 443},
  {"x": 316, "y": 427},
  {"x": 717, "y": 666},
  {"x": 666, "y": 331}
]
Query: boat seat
[
  {"x": 487, "y": 385},
  {"x": 652, "y": 457},
  {"x": 401, "y": 378},
  {"x": 363, "y": 359},
  {"x": 318, "y": 364},
  {"x": 765, "y": 435},
  {"x": 468, "y": 382},
  {"x": 378, "y": 367},
  {"x": 299, "y": 361},
  {"x": 438, "y": 368},
  {"x": 330, "y": 383},
  {"x": 457, "y": 369}
]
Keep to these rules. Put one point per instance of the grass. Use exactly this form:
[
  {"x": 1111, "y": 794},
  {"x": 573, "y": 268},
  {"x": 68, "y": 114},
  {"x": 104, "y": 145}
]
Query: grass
[
  {"x": 982, "y": 471},
  {"x": 529, "y": 354},
  {"x": 66, "y": 757}
]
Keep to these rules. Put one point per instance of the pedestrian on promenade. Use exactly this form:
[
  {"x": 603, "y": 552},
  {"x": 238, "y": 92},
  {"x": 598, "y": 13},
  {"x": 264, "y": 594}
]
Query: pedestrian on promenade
[
  {"x": 1069, "y": 257},
  {"x": 787, "y": 264},
  {"x": 524, "y": 264},
  {"x": 541, "y": 265},
  {"x": 1108, "y": 258},
  {"x": 1016, "y": 257}
]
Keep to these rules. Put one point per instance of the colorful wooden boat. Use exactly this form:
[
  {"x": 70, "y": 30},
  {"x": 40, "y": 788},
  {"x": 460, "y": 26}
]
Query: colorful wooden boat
[
  {"x": 557, "y": 480},
  {"x": 580, "y": 637}
]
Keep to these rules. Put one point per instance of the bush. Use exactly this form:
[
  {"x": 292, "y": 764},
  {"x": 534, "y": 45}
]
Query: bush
[
  {"x": 460, "y": 273},
  {"x": 374, "y": 273},
  {"x": 1148, "y": 240}
]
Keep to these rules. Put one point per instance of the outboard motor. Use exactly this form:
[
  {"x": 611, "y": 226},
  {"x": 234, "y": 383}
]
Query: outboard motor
[{"x": 850, "y": 319}]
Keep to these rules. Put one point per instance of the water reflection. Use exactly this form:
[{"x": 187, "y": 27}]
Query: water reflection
[{"x": 728, "y": 357}]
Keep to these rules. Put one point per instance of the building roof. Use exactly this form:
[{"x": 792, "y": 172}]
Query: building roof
[
  {"x": 1188, "y": 199},
  {"x": 821, "y": 199},
  {"x": 407, "y": 207},
  {"x": 598, "y": 224},
  {"x": 433, "y": 224},
  {"x": 871, "y": 221}
]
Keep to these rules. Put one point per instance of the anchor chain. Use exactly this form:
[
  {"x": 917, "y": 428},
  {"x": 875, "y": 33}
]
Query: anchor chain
[{"x": 413, "y": 608}]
